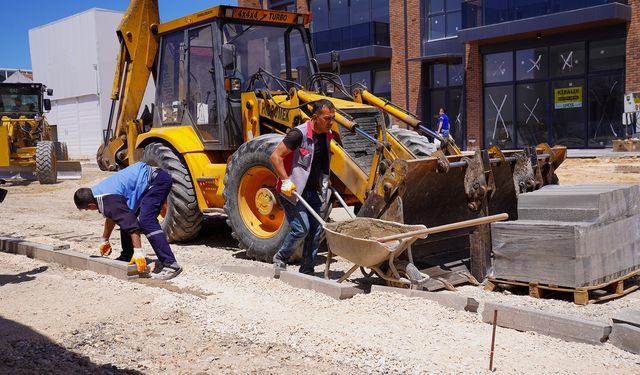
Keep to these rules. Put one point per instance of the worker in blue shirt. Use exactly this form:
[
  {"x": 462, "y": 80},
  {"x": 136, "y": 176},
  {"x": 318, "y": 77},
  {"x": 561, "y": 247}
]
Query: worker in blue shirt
[
  {"x": 443, "y": 123},
  {"x": 132, "y": 198}
]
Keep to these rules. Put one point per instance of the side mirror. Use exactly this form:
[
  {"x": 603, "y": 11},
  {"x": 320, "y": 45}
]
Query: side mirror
[
  {"x": 335, "y": 62},
  {"x": 47, "y": 104},
  {"x": 49, "y": 92},
  {"x": 229, "y": 56}
]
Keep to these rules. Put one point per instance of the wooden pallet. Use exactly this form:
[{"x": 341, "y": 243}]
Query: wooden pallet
[{"x": 581, "y": 296}]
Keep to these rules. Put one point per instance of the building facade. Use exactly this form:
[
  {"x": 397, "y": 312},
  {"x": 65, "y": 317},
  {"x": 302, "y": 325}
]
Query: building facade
[{"x": 510, "y": 73}]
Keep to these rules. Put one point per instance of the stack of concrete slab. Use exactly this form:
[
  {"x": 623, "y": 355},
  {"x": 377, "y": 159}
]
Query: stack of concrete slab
[{"x": 570, "y": 235}]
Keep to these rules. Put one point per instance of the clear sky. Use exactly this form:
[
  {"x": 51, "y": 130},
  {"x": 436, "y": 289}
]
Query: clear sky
[{"x": 20, "y": 16}]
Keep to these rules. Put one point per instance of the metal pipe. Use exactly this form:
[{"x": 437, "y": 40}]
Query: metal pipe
[
  {"x": 311, "y": 210},
  {"x": 342, "y": 202},
  {"x": 493, "y": 339}
]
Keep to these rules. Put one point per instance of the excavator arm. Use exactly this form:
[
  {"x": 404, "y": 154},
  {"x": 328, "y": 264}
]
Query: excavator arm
[{"x": 139, "y": 42}]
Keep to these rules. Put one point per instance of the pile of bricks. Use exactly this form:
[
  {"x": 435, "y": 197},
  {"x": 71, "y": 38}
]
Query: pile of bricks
[{"x": 572, "y": 236}]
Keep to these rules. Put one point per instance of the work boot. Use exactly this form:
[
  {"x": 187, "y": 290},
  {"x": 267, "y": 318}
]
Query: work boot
[
  {"x": 166, "y": 272},
  {"x": 279, "y": 263},
  {"x": 124, "y": 258}
]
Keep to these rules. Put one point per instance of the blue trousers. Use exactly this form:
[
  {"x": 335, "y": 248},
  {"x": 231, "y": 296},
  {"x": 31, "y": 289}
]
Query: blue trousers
[
  {"x": 148, "y": 210},
  {"x": 303, "y": 228}
]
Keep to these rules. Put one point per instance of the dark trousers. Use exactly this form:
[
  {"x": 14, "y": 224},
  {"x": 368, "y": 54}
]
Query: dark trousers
[{"x": 148, "y": 210}]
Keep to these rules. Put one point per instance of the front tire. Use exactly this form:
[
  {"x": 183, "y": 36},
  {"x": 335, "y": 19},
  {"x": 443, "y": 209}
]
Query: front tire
[
  {"x": 183, "y": 219},
  {"x": 249, "y": 180},
  {"x": 46, "y": 170}
]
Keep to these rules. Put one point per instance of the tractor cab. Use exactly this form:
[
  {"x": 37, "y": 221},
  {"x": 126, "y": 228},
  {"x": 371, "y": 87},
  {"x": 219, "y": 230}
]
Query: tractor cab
[
  {"x": 205, "y": 65},
  {"x": 23, "y": 99}
]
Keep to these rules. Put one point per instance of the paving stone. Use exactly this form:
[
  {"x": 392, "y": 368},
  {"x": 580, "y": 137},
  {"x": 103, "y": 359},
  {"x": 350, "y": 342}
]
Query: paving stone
[
  {"x": 444, "y": 298},
  {"x": 254, "y": 270},
  {"x": 107, "y": 266},
  {"x": 572, "y": 254},
  {"x": 555, "y": 325},
  {"x": 594, "y": 203},
  {"x": 628, "y": 316},
  {"x": 626, "y": 337},
  {"x": 71, "y": 258},
  {"x": 329, "y": 287}
]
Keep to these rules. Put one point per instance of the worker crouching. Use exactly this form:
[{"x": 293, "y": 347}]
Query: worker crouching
[{"x": 132, "y": 198}]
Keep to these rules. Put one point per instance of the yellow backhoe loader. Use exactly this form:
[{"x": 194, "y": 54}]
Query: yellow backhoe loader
[
  {"x": 230, "y": 82},
  {"x": 29, "y": 148}
]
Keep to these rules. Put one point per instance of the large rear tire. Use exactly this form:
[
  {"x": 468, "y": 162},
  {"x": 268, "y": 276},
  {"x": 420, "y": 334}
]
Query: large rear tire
[
  {"x": 46, "y": 170},
  {"x": 183, "y": 219},
  {"x": 418, "y": 144},
  {"x": 62, "y": 153},
  {"x": 249, "y": 185}
]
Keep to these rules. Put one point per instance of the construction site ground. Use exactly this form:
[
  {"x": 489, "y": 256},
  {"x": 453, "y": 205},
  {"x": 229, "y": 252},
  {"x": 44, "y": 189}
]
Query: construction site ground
[{"x": 61, "y": 321}]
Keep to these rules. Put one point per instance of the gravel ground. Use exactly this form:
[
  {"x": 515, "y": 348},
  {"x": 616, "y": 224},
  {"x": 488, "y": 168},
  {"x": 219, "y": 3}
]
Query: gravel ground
[{"x": 57, "y": 320}]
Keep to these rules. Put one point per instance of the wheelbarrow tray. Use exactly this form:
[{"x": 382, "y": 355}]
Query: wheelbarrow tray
[{"x": 355, "y": 240}]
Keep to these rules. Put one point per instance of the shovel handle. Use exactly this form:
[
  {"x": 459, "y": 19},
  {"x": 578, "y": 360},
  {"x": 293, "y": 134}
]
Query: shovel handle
[
  {"x": 308, "y": 207},
  {"x": 446, "y": 227}
]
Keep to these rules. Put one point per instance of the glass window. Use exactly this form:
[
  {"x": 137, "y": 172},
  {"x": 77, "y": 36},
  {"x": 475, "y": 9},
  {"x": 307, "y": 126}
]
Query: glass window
[
  {"x": 567, "y": 59},
  {"x": 436, "y": 6},
  {"x": 436, "y": 27},
  {"x": 456, "y": 75},
  {"x": 454, "y": 111},
  {"x": 361, "y": 77},
  {"x": 380, "y": 10},
  {"x": 531, "y": 63},
  {"x": 605, "y": 109},
  {"x": 382, "y": 82},
  {"x": 438, "y": 75},
  {"x": 453, "y": 5},
  {"x": 607, "y": 54},
  {"x": 201, "y": 94},
  {"x": 567, "y": 116},
  {"x": 168, "y": 87},
  {"x": 437, "y": 99},
  {"x": 498, "y": 116},
  {"x": 531, "y": 113},
  {"x": 498, "y": 67},
  {"x": 496, "y": 11},
  {"x": 339, "y": 13},
  {"x": 360, "y": 11},
  {"x": 320, "y": 11},
  {"x": 453, "y": 23}
]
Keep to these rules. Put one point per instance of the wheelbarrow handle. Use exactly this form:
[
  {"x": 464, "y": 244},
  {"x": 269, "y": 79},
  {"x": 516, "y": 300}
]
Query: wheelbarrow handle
[
  {"x": 446, "y": 227},
  {"x": 308, "y": 207}
]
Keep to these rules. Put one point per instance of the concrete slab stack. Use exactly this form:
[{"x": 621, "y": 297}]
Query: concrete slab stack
[{"x": 570, "y": 235}]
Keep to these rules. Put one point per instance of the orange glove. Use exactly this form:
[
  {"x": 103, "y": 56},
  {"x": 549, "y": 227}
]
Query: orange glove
[
  {"x": 140, "y": 260},
  {"x": 105, "y": 248}
]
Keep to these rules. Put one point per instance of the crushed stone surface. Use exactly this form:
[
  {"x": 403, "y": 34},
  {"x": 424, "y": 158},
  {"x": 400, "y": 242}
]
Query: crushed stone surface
[{"x": 58, "y": 320}]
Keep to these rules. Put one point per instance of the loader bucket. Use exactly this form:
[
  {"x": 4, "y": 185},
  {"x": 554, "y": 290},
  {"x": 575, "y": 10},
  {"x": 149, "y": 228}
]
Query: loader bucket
[
  {"x": 69, "y": 170},
  {"x": 441, "y": 190}
]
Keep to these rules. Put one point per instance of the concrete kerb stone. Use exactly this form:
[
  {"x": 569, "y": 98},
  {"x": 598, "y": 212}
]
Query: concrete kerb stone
[
  {"x": 550, "y": 324},
  {"x": 63, "y": 255},
  {"x": 626, "y": 337},
  {"x": 331, "y": 288},
  {"x": 444, "y": 298},
  {"x": 254, "y": 270}
]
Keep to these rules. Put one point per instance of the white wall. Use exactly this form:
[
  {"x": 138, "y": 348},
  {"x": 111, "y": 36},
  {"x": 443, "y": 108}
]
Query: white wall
[{"x": 76, "y": 57}]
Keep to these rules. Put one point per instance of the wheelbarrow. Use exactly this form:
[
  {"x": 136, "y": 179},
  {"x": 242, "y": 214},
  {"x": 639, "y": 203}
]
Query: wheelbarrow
[{"x": 376, "y": 244}]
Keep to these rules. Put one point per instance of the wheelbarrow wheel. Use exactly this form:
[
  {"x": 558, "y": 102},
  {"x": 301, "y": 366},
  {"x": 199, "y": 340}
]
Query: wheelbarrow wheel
[{"x": 407, "y": 270}]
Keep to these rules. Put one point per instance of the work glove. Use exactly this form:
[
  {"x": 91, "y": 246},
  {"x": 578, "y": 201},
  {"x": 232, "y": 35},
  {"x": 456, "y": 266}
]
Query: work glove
[
  {"x": 140, "y": 260},
  {"x": 288, "y": 187},
  {"x": 105, "y": 248}
]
